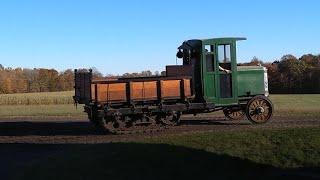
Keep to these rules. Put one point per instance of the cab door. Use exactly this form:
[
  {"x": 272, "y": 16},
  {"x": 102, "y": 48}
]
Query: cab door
[
  {"x": 209, "y": 73},
  {"x": 226, "y": 73}
]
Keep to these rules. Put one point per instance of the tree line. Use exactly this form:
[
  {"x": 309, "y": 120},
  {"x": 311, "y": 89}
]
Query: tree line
[
  {"x": 26, "y": 80},
  {"x": 292, "y": 75},
  {"x": 287, "y": 75}
]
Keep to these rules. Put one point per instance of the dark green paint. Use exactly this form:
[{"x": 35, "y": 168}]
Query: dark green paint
[{"x": 245, "y": 81}]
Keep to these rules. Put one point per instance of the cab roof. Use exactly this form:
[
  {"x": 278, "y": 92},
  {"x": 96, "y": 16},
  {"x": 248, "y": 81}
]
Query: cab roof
[
  {"x": 222, "y": 40},
  {"x": 225, "y": 38},
  {"x": 193, "y": 43}
]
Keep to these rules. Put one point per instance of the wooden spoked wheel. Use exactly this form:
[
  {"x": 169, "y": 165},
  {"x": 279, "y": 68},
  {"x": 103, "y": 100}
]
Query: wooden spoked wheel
[
  {"x": 232, "y": 114},
  {"x": 259, "y": 110}
]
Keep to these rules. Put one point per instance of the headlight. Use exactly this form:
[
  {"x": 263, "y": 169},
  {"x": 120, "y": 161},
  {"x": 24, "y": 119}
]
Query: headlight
[{"x": 265, "y": 82}]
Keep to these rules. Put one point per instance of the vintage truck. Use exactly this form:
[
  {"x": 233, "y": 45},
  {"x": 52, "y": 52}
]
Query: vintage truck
[{"x": 208, "y": 80}]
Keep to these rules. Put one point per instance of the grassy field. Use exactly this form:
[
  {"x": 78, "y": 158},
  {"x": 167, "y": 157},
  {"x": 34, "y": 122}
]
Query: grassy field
[
  {"x": 39, "y": 105},
  {"x": 46, "y": 98},
  {"x": 41, "y": 111},
  {"x": 266, "y": 154},
  {"x": 296, "y": 104},
  {"x": 61, "y": 104}
]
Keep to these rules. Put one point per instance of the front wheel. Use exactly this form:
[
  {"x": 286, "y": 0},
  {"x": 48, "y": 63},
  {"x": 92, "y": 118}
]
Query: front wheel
[{"x": 259, "y": 110}]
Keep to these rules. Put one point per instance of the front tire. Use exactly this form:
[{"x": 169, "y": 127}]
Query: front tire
[{"x": 259, "y": 110}]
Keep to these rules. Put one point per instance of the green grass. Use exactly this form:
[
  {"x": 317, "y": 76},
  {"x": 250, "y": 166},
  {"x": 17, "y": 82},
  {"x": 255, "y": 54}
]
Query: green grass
[
  {"x": 296, "y": 104},
  {"x": 46, "y": 98},
  {"x": 288, "y": 101},
  {"x": 285, "y": 148},
  {"x": 248, "y": 154},
  {"x": 65, "y": 110}
]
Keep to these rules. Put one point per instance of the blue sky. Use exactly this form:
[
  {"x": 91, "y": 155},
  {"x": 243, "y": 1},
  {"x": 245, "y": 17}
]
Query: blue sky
[{"x": 129, "y": 36}]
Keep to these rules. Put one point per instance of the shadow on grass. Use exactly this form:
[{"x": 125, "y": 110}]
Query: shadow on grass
[
  {"x": 76, "y": 128},
  {"x": 132, "y": 161},
  {"x": 46, "y": 128}
]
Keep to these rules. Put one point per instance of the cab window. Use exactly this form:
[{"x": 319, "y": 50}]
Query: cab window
[
  {"x": 209, "y": 53},
  {"x": 224, "y": 56}
]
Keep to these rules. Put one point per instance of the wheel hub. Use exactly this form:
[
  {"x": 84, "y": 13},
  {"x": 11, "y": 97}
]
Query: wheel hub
[{"x": 260, "y": 110}]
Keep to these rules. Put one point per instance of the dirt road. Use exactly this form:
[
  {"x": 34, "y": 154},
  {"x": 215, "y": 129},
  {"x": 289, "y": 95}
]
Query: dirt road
[{"x": 82, "y": 132}]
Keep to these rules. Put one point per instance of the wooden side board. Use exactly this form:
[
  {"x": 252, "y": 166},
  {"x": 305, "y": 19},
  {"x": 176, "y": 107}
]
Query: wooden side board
[
  {"x": 93, "y": 92},
  {"x": 170, "y": 89},
  {"x": 111, "y": 92},
  {"x": 187, "y": 88},
  {"x": 141, "y": 90}
]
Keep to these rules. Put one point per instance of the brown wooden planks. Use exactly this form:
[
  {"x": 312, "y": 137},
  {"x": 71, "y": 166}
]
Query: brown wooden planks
[
  {"x": 102, "y": 90},
  {"x": 93, "y": 92},
  {"x": 141, "y": 91},
  {"x": 170, "y": 89},
  {"x": 187, "y": 87},
  {"x": 111, "y": 92},
  {"x": 82, "y": 87},
  {"x": 117, "y": 92}
]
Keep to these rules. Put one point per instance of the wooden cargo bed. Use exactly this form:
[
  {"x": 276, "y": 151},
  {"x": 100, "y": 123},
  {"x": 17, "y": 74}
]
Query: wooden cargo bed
[{"x": 141, "y": 89}]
